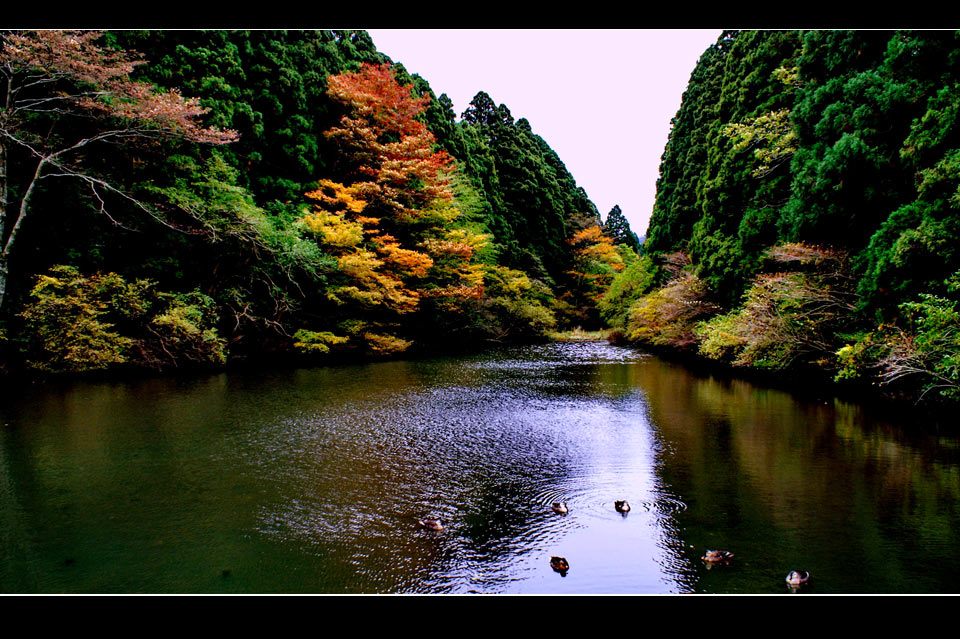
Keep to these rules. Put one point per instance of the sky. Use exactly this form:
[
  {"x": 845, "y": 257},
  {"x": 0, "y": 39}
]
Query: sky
[{"x": 601, "y": 98}]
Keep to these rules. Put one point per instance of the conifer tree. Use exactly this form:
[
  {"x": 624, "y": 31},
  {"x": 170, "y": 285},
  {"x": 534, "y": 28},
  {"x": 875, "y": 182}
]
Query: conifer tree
[{"x": 617, "y": 228}]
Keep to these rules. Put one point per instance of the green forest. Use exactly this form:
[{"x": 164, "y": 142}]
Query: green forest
[
  {"x": 806, "y": 218},
  {"x": 194, "y": 199},
  {"x": 177, "y": 200}
]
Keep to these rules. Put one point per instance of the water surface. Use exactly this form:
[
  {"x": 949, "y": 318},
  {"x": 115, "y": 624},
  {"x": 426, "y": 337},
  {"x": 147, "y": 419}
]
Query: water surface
[{"x": 312, "y": 481}]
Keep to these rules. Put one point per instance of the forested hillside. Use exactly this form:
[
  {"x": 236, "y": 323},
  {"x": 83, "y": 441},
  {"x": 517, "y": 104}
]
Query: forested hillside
[
  {"x": 174, "y": 199},
  {"x": 807, "y": 212}
]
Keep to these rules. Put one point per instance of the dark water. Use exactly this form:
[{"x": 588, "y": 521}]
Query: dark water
[{"x": 312, "y": 481}]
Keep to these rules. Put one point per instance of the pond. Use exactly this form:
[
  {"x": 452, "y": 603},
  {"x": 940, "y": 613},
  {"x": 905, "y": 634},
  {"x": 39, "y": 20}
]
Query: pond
[{"x": 315, "y": 480}]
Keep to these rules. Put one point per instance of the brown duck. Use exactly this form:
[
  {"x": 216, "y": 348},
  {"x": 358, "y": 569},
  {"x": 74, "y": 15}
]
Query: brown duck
[
  {"x": 560, "y": 564},
  {"x": 431, "y": 523},
  {"x": 716, "y": 556}
]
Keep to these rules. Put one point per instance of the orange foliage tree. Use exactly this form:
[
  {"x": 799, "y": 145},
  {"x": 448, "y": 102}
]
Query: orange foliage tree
[
  {"x": 390, "y": 218},
  {"x": 596, "y": 262}
]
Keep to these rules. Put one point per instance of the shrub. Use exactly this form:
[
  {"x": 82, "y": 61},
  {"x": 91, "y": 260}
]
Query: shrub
[
  {"x": 925, "y": 355},
  {"x": 66, "y": 323},
  {"x": 626, "y": 288},
  {"x": 780, "y": 319},
  {"x": 667, "y": 316},
  {"x": 785, "y": 317},
  {"x": 183, "y": 333},
  {"x": 317, "y": 342},
  {"x": 77, "y": 323}
]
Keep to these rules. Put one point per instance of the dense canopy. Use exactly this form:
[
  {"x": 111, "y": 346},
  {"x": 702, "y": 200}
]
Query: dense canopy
[
  {"x": 309, "y": 198},
  {"x": 808, "y": 182}
]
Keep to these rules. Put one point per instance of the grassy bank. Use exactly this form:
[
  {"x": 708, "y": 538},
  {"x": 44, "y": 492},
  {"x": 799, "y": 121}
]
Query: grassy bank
[{"x": 580, "y": 335}]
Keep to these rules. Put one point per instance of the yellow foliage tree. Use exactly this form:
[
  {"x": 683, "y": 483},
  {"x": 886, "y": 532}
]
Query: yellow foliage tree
[
  {"x": 391, "y": 224},
  {"x": 596, "y": 262}
]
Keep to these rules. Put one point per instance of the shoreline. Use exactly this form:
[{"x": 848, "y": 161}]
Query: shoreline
[{"x": 810, "y": 384}]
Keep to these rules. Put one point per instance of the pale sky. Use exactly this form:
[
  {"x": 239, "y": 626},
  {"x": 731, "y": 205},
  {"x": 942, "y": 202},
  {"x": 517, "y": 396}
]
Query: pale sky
[{"x": 601, "y": 98}]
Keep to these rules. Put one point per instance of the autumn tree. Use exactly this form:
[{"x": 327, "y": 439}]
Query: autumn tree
[
  {"x": 383, "y": 147},
  {"x": 64, "y": 96},
  {"x": 391, "y": 217},
  {"x": 596, "y": 262},
  {"x": 789, "y": 316}
]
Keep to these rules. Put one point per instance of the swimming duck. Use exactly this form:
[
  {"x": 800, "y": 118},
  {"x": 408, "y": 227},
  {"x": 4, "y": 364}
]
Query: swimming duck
[
  {"x": 798, "y": 577},
  {"x": 560, "y": 507},
  {"x": 432, "y": 523},
  {"x": 560, "y": 564},
  {"x": 714, "y": 556},
  {"x": 622, "y": 506}
]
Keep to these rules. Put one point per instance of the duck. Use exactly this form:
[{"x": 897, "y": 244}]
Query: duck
[
  {"x": 714, "y": 556},
  {"x": 622, "y": 506},
  {"x": 798, "y": 577},
  {"x": 560, "y": 564},
  {"x": 560, "y": 507},
  {"x": 432, "y": 523}
]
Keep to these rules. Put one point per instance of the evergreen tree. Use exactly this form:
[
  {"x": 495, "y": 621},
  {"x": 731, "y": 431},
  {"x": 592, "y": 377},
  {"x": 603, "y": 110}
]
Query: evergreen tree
[
  {"x": 803, "y": 149},
  {"x": 617, "y": 228},
  {"x": 533, "y": 198},
  {"x": 739, "y": 208},
  {"x": 267, "y": 85},
  {"x": 677, "y": 206}
]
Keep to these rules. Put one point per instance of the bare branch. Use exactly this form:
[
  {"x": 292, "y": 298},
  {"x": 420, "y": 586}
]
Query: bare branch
[{"x": 95, "y": 182}]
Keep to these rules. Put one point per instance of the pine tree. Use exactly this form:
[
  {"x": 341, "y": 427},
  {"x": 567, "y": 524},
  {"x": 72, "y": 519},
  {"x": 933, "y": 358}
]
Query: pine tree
[{"x": 617, "y": 228}]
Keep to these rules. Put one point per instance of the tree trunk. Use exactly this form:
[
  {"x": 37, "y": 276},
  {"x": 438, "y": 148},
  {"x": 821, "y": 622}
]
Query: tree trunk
[
  {"x": 8, "y": 241},
  {"x": 3, "y": 219},
  {"x": 3, "y": 278}
]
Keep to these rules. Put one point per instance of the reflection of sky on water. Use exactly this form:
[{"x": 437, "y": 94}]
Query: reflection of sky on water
[{"x": 488, "y": 445}]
